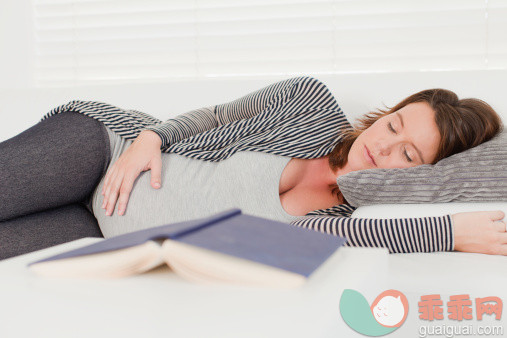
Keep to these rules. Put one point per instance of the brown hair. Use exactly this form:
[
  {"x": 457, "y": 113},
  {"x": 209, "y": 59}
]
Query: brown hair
[{"x": 463, "y": 124}]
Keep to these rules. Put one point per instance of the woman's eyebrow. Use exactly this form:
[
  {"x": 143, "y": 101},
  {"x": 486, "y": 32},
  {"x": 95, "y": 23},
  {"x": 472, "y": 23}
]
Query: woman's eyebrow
[{"x": 403, "y": 126}]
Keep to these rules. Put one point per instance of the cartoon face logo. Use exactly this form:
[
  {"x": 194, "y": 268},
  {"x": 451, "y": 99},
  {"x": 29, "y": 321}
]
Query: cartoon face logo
[{"x": 389, "y": 311}]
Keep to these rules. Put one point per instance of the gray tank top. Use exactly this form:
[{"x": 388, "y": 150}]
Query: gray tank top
[{"x": 194, "y": 188}]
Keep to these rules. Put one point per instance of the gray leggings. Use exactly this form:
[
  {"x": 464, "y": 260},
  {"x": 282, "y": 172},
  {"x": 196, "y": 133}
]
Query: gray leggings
[{"x": 47, "y": 174}]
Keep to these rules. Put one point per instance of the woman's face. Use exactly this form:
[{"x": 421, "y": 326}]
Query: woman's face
[{"x": 405, "y": 138}]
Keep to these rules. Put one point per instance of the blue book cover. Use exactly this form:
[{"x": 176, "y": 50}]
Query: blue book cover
[{"x": 231, "y": 232}]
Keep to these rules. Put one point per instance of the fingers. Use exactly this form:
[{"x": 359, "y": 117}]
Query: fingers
[
  {"x": 119, "y": 181},
  {"x": 125, "y": 189},
  {"x": 107, "y": 179},
  {"x": 112, "y": 193},
  {"x": 156, "y": 173},
  {"x": 500, "y": 226},
  {"x": 497, "y": 215}
]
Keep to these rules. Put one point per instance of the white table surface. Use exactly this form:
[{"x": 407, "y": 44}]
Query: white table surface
[{"x": 159, "y": 303}]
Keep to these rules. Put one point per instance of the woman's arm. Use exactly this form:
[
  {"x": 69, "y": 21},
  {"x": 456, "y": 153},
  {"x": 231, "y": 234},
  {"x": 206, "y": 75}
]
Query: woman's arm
[
  {"x": 304, "y": 90},
  {"x": 479, "y": 231},
  {"x": 301, "y": 100},
  {"x": 424, "y": 234}
]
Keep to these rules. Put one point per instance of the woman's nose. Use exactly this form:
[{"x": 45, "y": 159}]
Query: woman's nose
[{"x": 384, "y": 147}]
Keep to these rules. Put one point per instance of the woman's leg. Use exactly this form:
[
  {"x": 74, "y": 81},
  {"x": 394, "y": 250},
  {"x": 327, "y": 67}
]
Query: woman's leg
[
  {"x": 45, "y": 229},
  {"x": 58, "y": 161}
]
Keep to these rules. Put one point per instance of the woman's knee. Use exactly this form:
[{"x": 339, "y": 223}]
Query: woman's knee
[{"x": 45, "y": 229}]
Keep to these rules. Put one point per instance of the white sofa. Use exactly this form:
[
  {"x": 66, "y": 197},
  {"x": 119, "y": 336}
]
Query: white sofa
[
  {"x": 445, "y": 273},
  {"x": 356, "y": 93}
]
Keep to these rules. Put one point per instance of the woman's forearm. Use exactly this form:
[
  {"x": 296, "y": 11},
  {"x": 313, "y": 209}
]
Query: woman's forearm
[{"x": 399, "y": 235}]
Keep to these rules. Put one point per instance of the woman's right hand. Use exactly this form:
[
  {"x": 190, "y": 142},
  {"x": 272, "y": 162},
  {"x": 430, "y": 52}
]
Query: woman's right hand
[
  {"x": 142, "y": 155},
  {"x": 480, "y": 232}
]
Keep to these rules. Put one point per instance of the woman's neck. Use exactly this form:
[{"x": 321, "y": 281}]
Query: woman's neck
[{"x": 320, "y": 175}]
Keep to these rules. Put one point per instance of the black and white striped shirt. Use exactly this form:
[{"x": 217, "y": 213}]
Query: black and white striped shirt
[{"x": 298, "y": 117}]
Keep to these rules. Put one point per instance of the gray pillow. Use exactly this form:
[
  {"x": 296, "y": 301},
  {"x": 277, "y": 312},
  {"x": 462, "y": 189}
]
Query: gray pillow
[{"x": 478, "y": 174}]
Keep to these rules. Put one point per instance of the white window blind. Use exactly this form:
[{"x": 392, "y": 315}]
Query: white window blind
[{"x": 98, "y": 41}]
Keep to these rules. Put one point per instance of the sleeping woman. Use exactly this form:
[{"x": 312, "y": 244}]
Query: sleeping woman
[{"x": 276, "y": 153}]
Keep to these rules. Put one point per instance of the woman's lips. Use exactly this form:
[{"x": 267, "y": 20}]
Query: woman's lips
[{"x": 368, "y": 156}]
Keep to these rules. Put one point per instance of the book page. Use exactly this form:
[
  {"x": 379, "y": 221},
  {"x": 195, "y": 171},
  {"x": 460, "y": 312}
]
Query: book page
[
  {"x": 206, "y": 266},
  {"x": 112, "y": 264}
]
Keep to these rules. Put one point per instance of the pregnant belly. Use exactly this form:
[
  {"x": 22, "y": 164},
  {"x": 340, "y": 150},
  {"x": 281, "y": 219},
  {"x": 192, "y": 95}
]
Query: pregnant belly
[
  {"x": 147, "y": 207},
  {"x": 172, "y": 203}
]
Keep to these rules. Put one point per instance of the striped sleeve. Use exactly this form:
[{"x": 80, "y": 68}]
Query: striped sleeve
[
  {"x": 199, "y": 120},
  {"x": 399, "y": 235}
]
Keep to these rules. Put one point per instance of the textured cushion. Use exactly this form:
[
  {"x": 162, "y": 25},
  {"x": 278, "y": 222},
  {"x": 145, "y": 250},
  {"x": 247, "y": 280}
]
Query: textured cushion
[{"x": 478, "y": 174}]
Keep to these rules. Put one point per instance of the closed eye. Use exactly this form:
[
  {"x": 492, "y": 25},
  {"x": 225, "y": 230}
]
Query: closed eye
[
  {"x": 390, "y": 126},
  {"x": 408, "y": 157}
]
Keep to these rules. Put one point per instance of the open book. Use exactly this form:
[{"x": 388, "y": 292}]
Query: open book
[{"x": 227, "y": 247}]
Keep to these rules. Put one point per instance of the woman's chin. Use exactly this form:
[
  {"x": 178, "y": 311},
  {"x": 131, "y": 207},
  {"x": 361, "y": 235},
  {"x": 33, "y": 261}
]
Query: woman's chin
[{"x": 356, "y": 164}]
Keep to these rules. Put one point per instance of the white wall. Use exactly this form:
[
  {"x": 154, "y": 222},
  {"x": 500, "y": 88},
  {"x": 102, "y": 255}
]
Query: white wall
[
  {"x": 17, "y": 44},
  {"x": 22, "y": 104}
]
